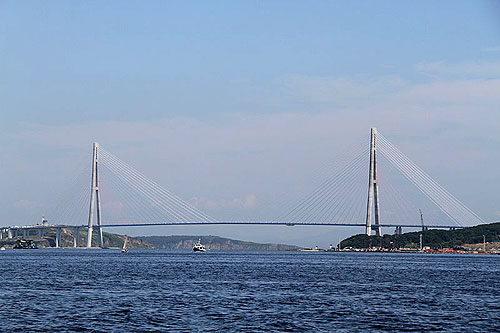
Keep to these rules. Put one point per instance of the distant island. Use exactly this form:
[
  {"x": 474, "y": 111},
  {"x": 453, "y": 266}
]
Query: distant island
[
  {"x": 212, "y": 242},
  {"x": 465, "y": 239}
]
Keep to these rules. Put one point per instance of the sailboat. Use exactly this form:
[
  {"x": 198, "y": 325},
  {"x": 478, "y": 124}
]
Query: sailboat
[{"x": 124, "y": 249}]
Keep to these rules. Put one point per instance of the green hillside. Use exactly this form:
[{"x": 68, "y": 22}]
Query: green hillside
[
  {"x": 109, "y": 239},
  {"x": 431, "y": 238},
  {"x": 212, "y": 242},
  {"x": 149, "y": 242}
]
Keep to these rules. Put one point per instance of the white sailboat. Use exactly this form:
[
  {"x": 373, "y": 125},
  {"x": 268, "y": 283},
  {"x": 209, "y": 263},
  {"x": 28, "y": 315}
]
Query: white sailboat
[{"x": 124, "y": 249}]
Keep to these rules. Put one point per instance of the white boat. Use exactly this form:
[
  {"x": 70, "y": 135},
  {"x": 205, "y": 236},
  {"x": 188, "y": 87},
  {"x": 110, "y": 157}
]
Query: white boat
[
  {"x": 2, "y": 248},
  {"x": 198, "y": 247},
  {"x": 124, "y": 249}
]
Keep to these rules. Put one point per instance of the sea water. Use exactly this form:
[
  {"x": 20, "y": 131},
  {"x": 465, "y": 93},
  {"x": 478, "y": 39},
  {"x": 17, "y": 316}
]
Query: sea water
[{"x": 154, "y": 290}]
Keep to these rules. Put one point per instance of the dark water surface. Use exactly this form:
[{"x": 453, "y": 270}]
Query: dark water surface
[{"x": 106, "y": 291}]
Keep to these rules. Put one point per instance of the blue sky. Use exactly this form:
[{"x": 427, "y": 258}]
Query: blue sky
[
  {"x": 230, "y": 82},
  {"x": 104, "y": 61}
]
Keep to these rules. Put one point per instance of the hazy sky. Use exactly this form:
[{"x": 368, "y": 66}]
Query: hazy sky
[{"x": 233, "y": 102}]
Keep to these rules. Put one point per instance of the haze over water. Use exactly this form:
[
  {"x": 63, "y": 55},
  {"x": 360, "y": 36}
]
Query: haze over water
[{"x": 106, "y": 291}]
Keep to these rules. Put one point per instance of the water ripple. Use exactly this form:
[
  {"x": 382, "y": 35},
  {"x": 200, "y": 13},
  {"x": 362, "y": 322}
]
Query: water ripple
[{"x": 105, "y": 291}]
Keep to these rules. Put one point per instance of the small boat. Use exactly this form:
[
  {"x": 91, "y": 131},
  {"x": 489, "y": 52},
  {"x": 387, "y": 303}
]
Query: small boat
[
  {"x": 2, "y": 248},
  {"x": 124, "y": 249},
  {"x": 198, "y": 247}
]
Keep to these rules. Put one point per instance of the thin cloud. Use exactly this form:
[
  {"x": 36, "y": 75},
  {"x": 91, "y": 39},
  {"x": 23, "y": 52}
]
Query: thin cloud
[
  {"x": 454, "y": 92},
  {"x": 26, "y": 204},
  {"x": 114, "y": 207},
  {"x": 249, "y": 201},
  {"x": 476, "y": 69},
  {"x": 339, "y": 90},
  {"x": 491, "y": 49}
]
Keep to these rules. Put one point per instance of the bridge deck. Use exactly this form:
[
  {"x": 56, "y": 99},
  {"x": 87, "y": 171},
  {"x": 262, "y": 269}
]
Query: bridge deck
[{"x": 235, "y": 223}]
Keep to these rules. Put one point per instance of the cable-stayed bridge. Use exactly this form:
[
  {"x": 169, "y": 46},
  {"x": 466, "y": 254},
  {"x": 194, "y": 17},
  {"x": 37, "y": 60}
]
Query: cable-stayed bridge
[{"x": 394, "y": 195}]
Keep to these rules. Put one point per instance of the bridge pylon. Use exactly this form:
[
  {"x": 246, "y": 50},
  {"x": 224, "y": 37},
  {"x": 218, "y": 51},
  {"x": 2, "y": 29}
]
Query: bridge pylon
[
  {"x": 95, "y": 200},
  {"x": 373, "y": 205}
]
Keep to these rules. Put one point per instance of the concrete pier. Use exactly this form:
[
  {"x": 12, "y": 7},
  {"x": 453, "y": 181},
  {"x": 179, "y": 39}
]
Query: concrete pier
[
  {"x": 77, "y": 237},
  {"x": 58, "y": 235},
  {"x": 399, "y": 230}
]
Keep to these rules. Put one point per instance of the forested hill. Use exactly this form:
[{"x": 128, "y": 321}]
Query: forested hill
[
  {"x": 431, "y": 238},
  {"x": 212, "y": 242}
]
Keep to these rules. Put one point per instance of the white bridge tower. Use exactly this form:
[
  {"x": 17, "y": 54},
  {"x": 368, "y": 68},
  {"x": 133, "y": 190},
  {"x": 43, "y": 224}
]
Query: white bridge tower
[
  {"x": 95, "y": 200},
  {"x": 373, "y": 194}
]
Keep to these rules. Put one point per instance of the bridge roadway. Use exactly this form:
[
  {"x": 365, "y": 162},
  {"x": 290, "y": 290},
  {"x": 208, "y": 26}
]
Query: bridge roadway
[{"x": 291, "y": 224}]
